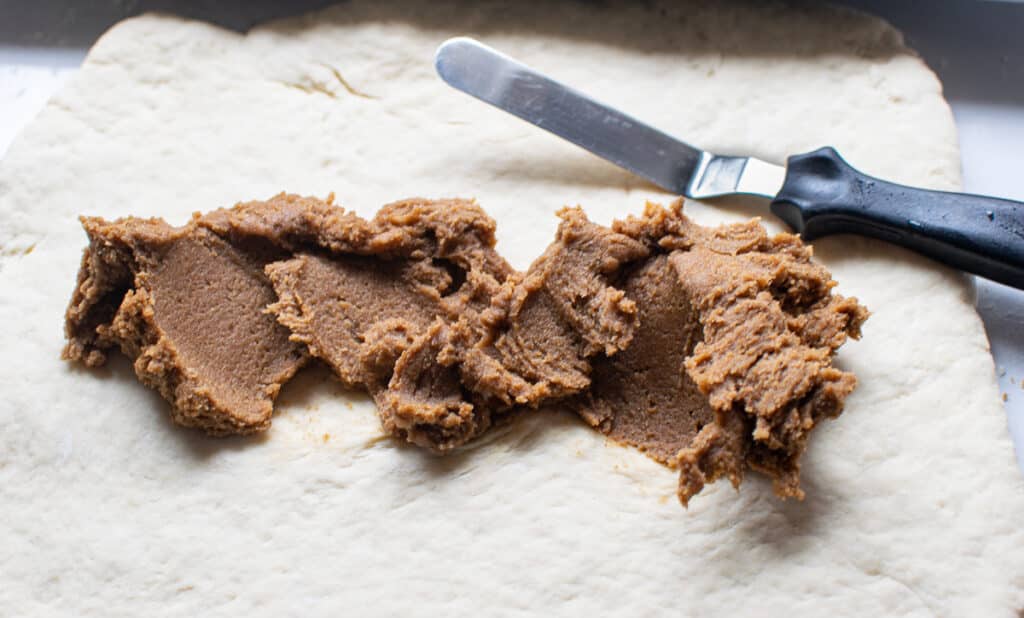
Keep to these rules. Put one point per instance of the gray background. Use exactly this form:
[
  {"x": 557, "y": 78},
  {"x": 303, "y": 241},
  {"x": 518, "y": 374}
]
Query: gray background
[{"x": 975, "y": 46}]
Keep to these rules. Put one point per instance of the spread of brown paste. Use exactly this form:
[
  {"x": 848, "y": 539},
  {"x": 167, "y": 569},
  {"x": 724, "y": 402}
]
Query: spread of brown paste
[{"x": 708, "y": 348}]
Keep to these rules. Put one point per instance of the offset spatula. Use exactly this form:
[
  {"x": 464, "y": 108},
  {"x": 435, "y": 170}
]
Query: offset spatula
[{"x": 817, "y": 193}]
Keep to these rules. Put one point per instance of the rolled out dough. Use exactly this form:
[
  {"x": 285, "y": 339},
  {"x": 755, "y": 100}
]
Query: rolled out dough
[{"x": 913, "y": 497}]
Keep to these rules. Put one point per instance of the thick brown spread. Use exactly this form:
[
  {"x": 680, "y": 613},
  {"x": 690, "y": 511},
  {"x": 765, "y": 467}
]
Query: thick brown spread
[
  {"x": 708, "y": 348},
  {"x": 731, "y": 366},
  {"x": 189, "y": 308}
]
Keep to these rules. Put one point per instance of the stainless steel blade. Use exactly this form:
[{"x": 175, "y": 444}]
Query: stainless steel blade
[{"x": 494, "y": 78}]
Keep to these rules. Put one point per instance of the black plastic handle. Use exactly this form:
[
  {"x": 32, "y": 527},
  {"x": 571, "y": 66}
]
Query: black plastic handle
[{"x": 823, "y": 194}]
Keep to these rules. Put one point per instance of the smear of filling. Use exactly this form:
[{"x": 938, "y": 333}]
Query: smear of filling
[
  {"x": 731, "y": 367},
  {"x": 708, "y": 348},
  {"x": 189, "y": 308}
]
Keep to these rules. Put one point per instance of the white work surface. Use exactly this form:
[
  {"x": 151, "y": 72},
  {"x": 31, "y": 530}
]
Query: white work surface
[{"x": 975, "y": 47}]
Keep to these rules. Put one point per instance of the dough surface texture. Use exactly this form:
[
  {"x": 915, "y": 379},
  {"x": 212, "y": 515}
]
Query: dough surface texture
[{"x": 109, "y": 509}]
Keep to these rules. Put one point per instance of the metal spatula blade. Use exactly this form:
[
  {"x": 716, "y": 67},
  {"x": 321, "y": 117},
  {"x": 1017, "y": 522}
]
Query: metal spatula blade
[{"x": 674, "y": 165}]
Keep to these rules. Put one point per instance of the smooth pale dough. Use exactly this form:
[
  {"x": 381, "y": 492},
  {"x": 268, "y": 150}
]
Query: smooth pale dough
[{"x": 913, "y": 502}]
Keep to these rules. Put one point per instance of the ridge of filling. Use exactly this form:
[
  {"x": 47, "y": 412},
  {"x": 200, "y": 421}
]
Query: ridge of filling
[{"x": 708, "y": 348}]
